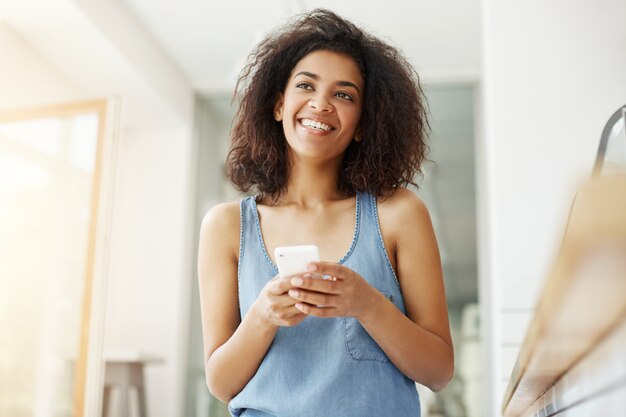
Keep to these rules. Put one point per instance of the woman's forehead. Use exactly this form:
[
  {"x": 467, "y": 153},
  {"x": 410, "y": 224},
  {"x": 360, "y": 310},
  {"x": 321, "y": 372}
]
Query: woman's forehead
[{"x": 329, "y": 65}]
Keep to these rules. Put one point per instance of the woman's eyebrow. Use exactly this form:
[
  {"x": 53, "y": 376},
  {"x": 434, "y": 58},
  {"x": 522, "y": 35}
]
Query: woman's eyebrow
[
  {"x": 348, "y": 84},
  {"x": 339, "y": 83}
]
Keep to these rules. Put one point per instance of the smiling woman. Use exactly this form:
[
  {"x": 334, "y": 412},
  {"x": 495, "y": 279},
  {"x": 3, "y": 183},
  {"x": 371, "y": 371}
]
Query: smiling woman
[{"x": 330, "y": 129}]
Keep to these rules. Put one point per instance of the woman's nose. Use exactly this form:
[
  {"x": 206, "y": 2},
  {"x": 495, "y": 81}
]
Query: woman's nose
[{"x": 320, "y": 104}]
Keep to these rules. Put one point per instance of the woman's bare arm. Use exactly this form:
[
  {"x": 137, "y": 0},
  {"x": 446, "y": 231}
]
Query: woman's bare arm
[
  {"x": 234, "y": 348},
  {"x": 420, "y": 343}
]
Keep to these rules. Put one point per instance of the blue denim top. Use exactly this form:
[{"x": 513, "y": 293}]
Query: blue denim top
[{"x": 324, "y": 366}]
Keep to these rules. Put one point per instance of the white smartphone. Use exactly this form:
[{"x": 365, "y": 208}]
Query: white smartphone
[{"x": 291, "y": 260}]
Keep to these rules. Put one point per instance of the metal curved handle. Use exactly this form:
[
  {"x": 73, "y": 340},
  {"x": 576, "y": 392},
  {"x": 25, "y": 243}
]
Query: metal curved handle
[{"x": 604, "y": 139}]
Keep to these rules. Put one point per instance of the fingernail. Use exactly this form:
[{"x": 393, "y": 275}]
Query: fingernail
[
  {"x": 293, "y": 293},
  {"x": 297, "y": 281},
  {"x": 312, "y": 267},
  {"x": 307, "y": 275}
]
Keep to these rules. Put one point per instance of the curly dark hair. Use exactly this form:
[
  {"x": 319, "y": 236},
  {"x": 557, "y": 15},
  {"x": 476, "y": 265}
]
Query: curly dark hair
[{"x": 393, "y": 123}]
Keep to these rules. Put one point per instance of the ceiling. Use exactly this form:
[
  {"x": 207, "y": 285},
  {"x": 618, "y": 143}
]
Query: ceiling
[{"x": 210, "y": 40}]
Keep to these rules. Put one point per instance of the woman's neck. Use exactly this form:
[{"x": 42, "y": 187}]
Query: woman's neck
[{"x": 310, "y": 184}]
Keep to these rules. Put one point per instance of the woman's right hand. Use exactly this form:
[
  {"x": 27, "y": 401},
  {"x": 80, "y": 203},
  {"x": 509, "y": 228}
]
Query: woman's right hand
[{"x": 275, "y": 306}]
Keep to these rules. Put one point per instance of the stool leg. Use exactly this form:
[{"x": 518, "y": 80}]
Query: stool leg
[
  {"x": 124, "y": 403},
  {"x": 106, "y": 397},
  {"x": 142, "y": 402},
  {"x": 136, "y": 379},
  {"x": 120, "y": 373}
]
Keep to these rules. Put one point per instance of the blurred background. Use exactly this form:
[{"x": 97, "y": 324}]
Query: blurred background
[{"x": 114, "y": 121}]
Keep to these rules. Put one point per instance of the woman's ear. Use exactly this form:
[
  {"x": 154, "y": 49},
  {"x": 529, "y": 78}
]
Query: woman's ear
[
  {"x": 357, "y": 135},
  {"x": 278, "y": 109}
]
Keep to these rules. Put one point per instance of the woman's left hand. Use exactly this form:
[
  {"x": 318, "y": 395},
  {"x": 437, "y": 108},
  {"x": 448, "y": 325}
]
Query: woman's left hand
[{"x": 343, "y": 293}]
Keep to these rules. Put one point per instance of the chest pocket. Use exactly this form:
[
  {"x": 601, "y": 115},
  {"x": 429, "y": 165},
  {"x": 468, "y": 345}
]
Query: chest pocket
[{"x": 359, "y": 344}]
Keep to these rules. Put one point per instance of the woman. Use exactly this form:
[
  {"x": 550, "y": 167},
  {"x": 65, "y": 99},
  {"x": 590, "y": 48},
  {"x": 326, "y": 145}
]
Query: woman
[{"x": 330, "y": 129}]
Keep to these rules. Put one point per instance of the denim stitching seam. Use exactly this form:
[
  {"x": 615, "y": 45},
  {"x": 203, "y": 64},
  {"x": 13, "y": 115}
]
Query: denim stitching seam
[
  {"x": 241, "y": 245},
  {"x": 260, "y": 235},
  {"x": 357, "y": 227},
  {"x": 381, "y": 242}
]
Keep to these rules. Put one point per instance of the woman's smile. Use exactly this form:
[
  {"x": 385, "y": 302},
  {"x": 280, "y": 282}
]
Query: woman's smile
[{"x": 315, "y": 126}]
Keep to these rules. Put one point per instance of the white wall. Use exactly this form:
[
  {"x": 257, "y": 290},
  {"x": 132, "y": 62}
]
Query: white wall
[
  {"x": 26, "y": 78},
  {"x": 553, "y": 75},
  {"x": 149, "y": 287}
]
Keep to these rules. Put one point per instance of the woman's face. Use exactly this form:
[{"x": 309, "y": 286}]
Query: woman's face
[{"x": 321, "y": 105}]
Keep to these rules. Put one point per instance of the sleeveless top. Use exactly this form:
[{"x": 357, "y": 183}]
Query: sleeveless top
[{"x": 323, "y": 366}]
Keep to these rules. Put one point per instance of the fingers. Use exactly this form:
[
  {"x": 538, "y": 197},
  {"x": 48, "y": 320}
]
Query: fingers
[
  {"x": 278, "y": 301},
  {"x": 309, "y": 282},
  {"x": 299, "y": 295},
  {"x": 292, "y": 319},
  {"x": 328, "y": 268},
  {"x": 321, "y": 312},
  {"x": 285, "y": 315},
  {"x": 277, "y": 306},
  {"x": 279, "y": 286},
  {"x": 313, "y": 298}
]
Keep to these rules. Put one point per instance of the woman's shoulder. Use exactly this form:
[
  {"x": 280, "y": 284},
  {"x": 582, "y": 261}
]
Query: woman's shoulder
[
  {"x": 222, "y": 222},
  {"x": 402, "y": 211},
  {"x": 403, "y": 201},
  {"x": 222, "y": 213}
]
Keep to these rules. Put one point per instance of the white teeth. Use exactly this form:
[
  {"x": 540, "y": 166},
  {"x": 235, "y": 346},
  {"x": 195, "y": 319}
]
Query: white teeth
[{"x": 316, "y": 125}]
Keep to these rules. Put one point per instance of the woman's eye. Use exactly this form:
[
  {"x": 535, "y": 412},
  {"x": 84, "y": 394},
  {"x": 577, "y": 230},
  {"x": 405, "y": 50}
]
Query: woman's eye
[
  {"x": 344, "y": 96},
  {"x": 305, "y": 86}
]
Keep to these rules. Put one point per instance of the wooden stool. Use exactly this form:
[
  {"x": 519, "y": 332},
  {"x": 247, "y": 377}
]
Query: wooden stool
[{"x": 124, "y": 371}]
